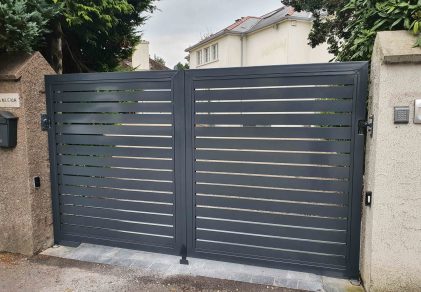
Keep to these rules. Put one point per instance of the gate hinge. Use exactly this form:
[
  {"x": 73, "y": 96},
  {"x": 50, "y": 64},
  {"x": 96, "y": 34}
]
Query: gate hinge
[
  {"x": 45, "y": 122},
  {"x": 365, "y": 127}
]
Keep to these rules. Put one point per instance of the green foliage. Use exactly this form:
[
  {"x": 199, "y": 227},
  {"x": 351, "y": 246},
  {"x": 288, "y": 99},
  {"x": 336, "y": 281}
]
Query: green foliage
[
  {"x": 159, "y": 60},
  {"x": 350, "y": 26},
  {"x": 23, "y": 24},
  {"x": 99, "y": 34},
  {"x": 181, "y": 66}
]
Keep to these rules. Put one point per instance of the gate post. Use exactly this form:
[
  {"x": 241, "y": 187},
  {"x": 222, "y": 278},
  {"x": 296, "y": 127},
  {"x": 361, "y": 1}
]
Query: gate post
[
  {"x": 391, "y": 233},
  {"x": 25, "y": 197}
]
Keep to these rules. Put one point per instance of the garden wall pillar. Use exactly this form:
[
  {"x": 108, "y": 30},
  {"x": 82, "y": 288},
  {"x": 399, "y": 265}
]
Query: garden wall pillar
[
  {"x": 391, "y": 227},
  {"x": 25, "y": 210}
]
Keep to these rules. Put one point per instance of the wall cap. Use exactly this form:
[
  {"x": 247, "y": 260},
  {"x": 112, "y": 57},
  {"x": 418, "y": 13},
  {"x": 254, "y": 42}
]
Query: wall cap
[
  {"x": 12, "y": 65},
  {"x": 398, "y": 47}
]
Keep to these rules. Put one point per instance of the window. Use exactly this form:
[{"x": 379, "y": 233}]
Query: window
[
  {"x": 199, "y": 57},
  {"x": 214, "y": 52},
  {"x": 207, "y": 54}
]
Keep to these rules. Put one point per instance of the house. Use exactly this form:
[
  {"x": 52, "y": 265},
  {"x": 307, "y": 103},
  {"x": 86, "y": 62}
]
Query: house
[{"x": 279, "y": 37}]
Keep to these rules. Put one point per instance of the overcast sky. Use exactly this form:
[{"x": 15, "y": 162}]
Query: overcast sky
[{"x": 181, "y": 23}]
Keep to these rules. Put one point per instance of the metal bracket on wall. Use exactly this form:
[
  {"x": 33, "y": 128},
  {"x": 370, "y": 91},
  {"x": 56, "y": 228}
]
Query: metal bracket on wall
[
  {"x": 365, "y": 127},
  {"x": 45, "y": 122}
]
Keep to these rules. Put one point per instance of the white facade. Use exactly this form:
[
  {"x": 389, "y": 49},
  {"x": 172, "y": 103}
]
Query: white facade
[
  {"x": 140, "y": 58},
  {"x": 283, "y": 43}
]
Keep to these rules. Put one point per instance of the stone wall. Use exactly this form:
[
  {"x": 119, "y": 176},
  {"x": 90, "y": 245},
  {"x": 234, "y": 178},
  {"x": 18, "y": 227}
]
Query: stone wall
[
  {"x": 25, "y": 211},
  {"x": 391, "y": 227}
]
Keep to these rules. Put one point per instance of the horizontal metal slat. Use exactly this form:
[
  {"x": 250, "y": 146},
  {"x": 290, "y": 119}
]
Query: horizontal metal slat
[
  {"x": 273, "y": 157},
  {"x": 272, "y": 194},
  {"x": 115, "y": 172},
  {"x": 114, "y": 96},
  {"x": 119, "y": 194},
  {"x": 112, "y": 118},
  {"x": 274, "y": 119},
  {"x": 110, "y": 234},
  {"x": 271, "y": 254},
  {"x": 273, "y": 230},
  {"x": 290, "y": 244},
  {"x": 304, "y": 221},
  {"x": 273, "y": 206},
  {"x": 115, "y": 162},
  {"x": 112, "y": 107},
  {"x": 276, "y": 93},
  {"x": 284, "y": 145},
  {"x": 117, "y": 183},
  {"x": 118, "y": 140},
  {"x": 115, "y": 130},
  {"x": 272, "y": 132},
  {"x": 116, "y": 204},
  {"x": 276, "y": 106},
  {"x": 117, "y": 225},
  {"x": 107, "y": 85},
  {"x": 273, "y": 182},
  {"x": 115, "y": 151},
  {"x": 258, "y": 81},
  {"x": 267, "y": 169},
  {"x": 117, "y": 214}
]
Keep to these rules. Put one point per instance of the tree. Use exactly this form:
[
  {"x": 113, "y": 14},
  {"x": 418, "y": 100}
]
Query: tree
[
  {"x": 350, "y": 26},
  {"x": 79, "y": 35},
  {"x": 23, "y": 24},
  {"x": 181, "y": 66},
  {"x": 159, "y": 60},
  {"x": 96, "y": 35}
]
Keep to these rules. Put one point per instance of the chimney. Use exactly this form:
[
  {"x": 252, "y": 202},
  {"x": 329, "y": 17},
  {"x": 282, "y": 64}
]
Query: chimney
[{"x": 140, "y": 58}]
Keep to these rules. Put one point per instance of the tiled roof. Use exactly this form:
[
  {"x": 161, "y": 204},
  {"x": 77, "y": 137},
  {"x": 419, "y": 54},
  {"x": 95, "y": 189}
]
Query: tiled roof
[{"x": 251, "y": 24}]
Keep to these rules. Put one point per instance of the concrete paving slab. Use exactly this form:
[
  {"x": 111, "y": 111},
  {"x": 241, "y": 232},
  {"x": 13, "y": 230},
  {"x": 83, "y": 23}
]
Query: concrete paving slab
[{"x": 164, "y": 266}]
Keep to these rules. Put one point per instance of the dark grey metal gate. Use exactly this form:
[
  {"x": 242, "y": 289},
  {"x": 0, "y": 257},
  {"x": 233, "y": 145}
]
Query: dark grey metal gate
[{"x": 261, "y": 165}]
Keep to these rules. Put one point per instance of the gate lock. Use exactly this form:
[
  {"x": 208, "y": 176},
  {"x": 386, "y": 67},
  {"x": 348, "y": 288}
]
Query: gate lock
[
  {"x": 45, "y": 122},
  {"x": 365, "y": 127}
]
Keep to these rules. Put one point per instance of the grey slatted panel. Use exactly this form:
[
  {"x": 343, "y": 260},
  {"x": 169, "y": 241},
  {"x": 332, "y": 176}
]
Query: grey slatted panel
[
  {"x": 274, "y": 157},
  {"x": 117, "y": 204},
  {"x": 114, "y": 162},
  {"x": 276, "y": 106},
  {"x": 116, "y": 235},
  {"x": 274, "y": 182},
  {"x": 107, "y": 107},
  {"x": 255, "y": 252},
  {"x": 272, "y": 230},
  {"x": 116, "y": 130},
  {"x": 272, "y": 194},
  {"x": 115, "y": 172},
  {"x": 114, "y": 96},
  {"x": 109, "y": 140},
  {"x": 268, "y": 169},
  {"x": 260, "y": 132},
  {"x": 117, "y": 225},
  {"x": 113, "y": 118},
  {"x": 115, "y": 151},
  {"x": 98, "y": 85},
  {"x": 257, "y": 81},
  {"x": 284, "y": 145},
  {"x": 273, "y": 206},
  {"x": 114, "y": 193},
  {"x": 272, "y": 242},
  {"x": 276, "y": 93},
  {"x": 162, "y": 186},
  {"x": 118, "y": 214},
  {"x": 274, "y": 119},
  {"x": 265, "y": 217}
]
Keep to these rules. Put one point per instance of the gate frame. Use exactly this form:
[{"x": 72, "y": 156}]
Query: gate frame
[
  {"x": 183, "y": 118},
  {"x": 177, "y": 88},
  {"x": 360, "y": 71}
]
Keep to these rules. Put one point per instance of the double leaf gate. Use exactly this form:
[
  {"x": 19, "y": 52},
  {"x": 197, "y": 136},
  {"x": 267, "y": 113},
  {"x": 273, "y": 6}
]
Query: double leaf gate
[{"x": 261, "y": 165}]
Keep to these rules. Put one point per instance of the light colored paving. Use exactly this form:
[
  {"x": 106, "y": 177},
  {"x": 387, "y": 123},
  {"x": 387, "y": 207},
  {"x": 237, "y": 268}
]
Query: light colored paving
[{"x": 168, "y": 265}]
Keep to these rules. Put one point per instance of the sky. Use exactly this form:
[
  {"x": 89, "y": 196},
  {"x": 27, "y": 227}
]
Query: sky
[{"x": 177, "y": 24}]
